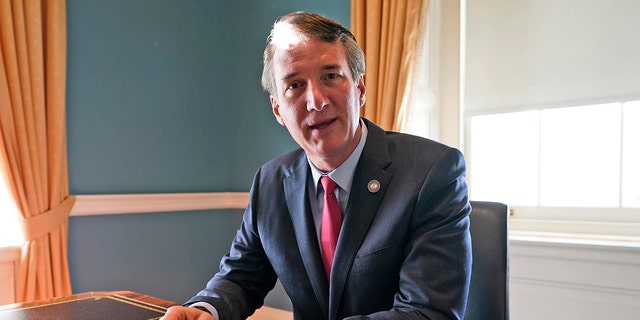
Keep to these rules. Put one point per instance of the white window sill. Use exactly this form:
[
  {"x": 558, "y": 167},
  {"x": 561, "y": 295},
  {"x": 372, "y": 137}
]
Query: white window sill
[{"x": 617, "y": 234}]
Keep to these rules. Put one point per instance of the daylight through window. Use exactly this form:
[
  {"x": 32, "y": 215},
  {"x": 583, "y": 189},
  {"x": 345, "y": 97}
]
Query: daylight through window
[
  {"x": 10, "y": 234},
  {"x": 585, "y": 156}
]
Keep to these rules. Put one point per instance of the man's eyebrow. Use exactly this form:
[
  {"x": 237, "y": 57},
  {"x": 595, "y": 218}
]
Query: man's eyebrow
[
  {"x": 330, "y": 67},
  {"x": 289, "y": 76},
  {"x": 323, "y": 68}
]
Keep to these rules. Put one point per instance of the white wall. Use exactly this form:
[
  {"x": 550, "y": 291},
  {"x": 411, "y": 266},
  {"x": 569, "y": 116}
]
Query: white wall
[
  {"x": 9, "y": 259},
  {"x": 522, "y": 53},
  {"x": 554, "y": 280}
]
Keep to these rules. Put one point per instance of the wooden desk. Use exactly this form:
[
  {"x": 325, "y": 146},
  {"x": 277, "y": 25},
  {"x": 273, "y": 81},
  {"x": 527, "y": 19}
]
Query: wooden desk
[{"x": 102, "y": 305}]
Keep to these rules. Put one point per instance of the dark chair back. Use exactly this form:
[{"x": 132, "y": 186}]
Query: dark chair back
[{"x": 489, "y": 292}]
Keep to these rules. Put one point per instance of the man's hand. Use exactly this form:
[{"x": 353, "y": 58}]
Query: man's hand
[{"x": 184, "y": 313}]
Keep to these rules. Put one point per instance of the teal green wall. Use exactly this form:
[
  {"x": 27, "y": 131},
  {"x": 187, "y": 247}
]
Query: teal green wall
[{"x": 164, "y": 96}]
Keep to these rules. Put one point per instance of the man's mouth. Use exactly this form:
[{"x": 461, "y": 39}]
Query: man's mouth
[{"x": 322, "y": 125}]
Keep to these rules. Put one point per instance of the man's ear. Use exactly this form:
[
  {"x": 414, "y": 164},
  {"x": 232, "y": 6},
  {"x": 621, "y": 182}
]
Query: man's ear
[
  {"x": 363, "y": 90},
  {"x": 275, "y": 108}
]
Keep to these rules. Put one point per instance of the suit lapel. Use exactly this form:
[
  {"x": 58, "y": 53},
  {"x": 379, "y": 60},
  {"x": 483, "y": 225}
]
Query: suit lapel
[
  {"x": 364, "y": 200},
  {"x": 304, "y": 228}
]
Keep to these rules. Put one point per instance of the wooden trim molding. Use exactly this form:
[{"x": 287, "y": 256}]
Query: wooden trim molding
[
  {"x": 9, "y": 262},
  {"x": 101, "y": 204}
]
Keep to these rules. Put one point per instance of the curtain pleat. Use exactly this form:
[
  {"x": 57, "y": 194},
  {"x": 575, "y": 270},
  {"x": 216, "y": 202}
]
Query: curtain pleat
[
  {"x": 387, "y": 31},
  {"x": 33, "y": 130}
]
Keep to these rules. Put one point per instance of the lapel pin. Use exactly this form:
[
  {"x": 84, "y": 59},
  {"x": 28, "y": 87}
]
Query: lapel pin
[{"x": 373, "y": 186}]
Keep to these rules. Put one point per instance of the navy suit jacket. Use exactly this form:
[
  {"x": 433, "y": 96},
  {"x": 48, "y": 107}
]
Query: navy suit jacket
[{"x": 404, "y": 250}]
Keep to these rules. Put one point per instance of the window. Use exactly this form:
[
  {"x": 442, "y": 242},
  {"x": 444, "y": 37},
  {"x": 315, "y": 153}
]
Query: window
[
  {"x": 631, "y": 155},
  {"x": 521, "y": 93},
  {"x": 10, "y": 234},
  {"x": 582, "y": 156}
]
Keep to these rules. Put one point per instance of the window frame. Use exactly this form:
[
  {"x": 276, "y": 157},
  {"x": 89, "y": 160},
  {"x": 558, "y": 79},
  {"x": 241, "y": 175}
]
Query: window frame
[{"x": 596, "y": 225}]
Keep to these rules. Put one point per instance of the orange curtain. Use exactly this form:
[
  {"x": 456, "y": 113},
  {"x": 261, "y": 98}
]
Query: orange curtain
[
  {"x": 33, "y": 131},
  {"x": 387, "y": 30}
]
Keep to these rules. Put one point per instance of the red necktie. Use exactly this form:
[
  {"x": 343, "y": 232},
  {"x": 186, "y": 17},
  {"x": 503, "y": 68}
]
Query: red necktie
[{"x": 331, "y": 223}]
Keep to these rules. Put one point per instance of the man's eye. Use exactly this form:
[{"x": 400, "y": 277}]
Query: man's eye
[
  {"x": 294, "y": 85},
  {"x": 331, "y": 76}
]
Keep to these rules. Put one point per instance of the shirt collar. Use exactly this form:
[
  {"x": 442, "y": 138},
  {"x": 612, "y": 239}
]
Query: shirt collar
[{"x": 343, "y": 174}]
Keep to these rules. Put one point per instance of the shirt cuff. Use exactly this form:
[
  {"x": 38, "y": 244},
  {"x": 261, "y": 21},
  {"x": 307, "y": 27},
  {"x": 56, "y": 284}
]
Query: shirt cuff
[{"x": 207, "y": 306}]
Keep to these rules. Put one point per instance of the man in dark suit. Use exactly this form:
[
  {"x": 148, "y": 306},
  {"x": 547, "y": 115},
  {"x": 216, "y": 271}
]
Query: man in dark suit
[{"x": 403, "y": 250}]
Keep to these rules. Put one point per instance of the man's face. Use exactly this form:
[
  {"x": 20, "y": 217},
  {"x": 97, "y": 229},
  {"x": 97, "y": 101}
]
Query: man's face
[{"x": 317, "y": 100}]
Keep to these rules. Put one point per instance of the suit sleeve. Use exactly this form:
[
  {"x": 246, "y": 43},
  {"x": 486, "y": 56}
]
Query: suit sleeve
[
  {"x": 435, "y": 275},
  {"x": 245, "y": 276}
]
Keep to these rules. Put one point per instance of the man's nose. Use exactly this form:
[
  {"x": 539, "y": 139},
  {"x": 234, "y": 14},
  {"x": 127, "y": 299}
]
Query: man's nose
[{"x": 315, "y": 97}]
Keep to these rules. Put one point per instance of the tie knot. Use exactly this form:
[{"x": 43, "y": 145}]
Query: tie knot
[{"x": 328, "y": 184}]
